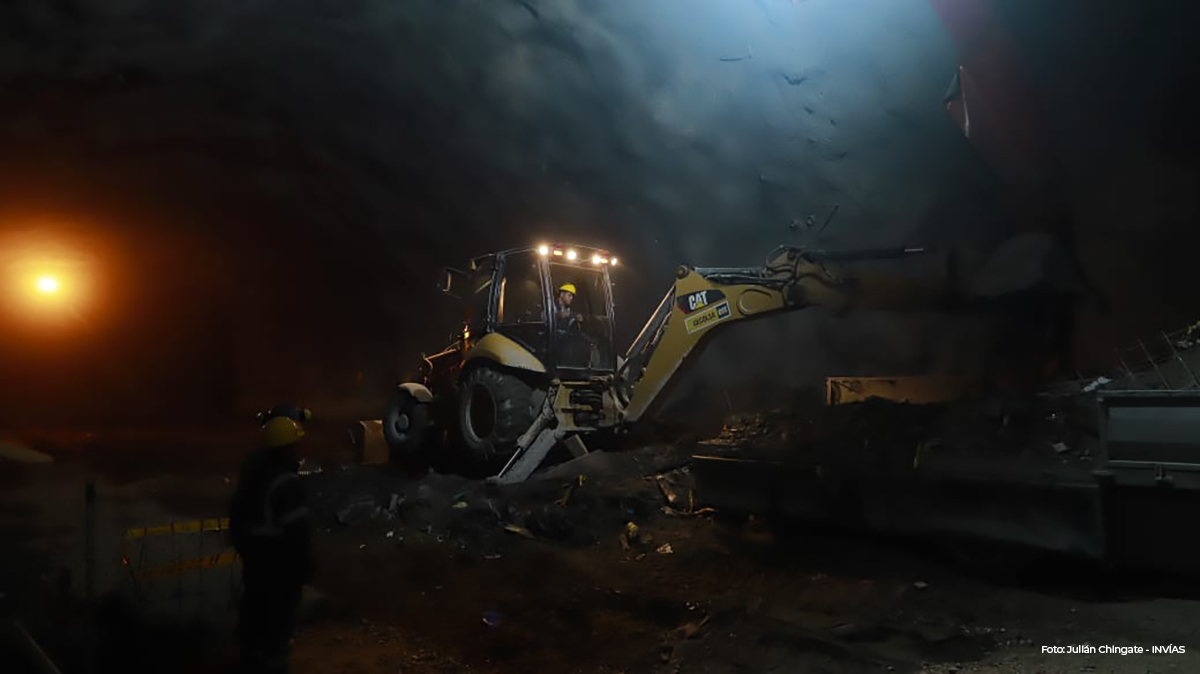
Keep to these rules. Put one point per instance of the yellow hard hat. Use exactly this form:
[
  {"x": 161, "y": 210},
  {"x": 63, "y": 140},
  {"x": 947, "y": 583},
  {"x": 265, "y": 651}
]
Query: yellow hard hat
[
  {"x": 569, "y": 287},
  {"x": 281, "y": 432}
]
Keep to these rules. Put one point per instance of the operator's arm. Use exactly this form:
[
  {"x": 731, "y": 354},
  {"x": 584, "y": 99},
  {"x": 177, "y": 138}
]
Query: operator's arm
[{"x": 567, "y": 318}]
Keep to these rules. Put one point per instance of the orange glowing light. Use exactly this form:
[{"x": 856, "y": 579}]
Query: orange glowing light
[
  {"x": 42, "y": 281},
  {"x": 55, "y": 279}
]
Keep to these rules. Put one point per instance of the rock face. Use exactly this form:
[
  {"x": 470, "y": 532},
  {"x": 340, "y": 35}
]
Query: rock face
[{"x": 329, "y": 157}]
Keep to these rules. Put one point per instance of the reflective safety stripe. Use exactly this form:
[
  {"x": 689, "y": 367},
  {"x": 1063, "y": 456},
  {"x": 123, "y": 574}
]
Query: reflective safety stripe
[
  {"x": 192, "y": 527},
  {"x": 294, "y": 516}
]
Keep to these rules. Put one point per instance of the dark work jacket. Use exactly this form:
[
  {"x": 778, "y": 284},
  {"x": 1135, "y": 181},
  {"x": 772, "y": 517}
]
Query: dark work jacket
[
  {"x": 269, "y": 520},
  {"x": 564, "y": 316}
]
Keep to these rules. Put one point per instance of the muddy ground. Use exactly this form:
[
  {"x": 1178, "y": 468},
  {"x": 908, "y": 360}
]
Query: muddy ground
[{"x": 441, "y": 574}]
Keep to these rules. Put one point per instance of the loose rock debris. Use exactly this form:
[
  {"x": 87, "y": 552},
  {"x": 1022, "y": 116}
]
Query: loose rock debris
[
  {"x": 570, "y": 521},
  {"x": 520, "y": 531}
]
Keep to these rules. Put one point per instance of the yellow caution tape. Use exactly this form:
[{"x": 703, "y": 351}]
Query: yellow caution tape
[
  {"x": 206, "y": 562},
  {"x": 192, "y": 527}
]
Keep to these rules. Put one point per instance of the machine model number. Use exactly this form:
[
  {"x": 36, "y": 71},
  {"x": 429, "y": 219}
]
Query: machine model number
[
  {"x": 698, "y": 300},
  {"x": 708, "y": 318}
]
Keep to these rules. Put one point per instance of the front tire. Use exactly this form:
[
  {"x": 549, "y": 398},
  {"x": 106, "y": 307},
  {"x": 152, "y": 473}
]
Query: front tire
[
  {"x": 405, "y": 426},
  {"x": 494, "y": 409}
]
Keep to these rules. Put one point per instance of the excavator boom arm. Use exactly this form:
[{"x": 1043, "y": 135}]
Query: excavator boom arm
[{"x": 705, "y": 299}]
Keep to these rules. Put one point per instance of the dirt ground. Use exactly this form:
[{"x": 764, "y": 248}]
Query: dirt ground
[{"x": 441, "y": 574}]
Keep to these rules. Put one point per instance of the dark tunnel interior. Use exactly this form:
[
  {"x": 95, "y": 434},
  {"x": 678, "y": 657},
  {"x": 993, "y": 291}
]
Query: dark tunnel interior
[
  {"x": 899, "y": 369},
  {"x": 262, "y": 193}
]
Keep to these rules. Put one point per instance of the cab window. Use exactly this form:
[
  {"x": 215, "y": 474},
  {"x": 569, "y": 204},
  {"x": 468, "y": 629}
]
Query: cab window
[
  {"x": 583, "y": 330},
  {"x": 521, "y": 312},
  {"x": 521, "y": 297},
  {"x": 480, "y": 298}
]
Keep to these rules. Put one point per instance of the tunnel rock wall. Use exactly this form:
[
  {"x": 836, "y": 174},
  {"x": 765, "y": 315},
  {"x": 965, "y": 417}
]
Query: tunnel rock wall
[{"x": 391, "y": 138}]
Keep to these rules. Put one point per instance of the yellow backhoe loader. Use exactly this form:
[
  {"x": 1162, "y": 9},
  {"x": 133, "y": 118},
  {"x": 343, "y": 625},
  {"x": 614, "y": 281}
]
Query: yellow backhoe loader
[{"x": 527, "y": 373}]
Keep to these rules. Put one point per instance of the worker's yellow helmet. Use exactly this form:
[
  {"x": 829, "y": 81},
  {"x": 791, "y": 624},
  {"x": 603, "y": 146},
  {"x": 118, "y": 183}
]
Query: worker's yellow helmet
[
  {"x": 281, "y": 432},
  {"x": 568, "y": 287}
]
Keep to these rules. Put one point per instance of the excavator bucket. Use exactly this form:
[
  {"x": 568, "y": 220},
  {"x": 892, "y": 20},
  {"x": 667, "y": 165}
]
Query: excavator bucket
[{"x": 1026, "y": 263}]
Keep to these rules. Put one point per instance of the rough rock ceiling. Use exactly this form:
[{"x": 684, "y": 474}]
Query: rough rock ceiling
[{"x": 304, "y": 168}]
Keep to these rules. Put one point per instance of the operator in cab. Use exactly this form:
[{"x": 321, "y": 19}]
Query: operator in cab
[
  {"x": 575, "y": 347},
  {"x": 271, "y": 532},
  {"x": 564, "y": 315}
]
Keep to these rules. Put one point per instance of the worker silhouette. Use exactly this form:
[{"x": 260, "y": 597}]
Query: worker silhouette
[
  {"x": 575, "y": 346},
  {"x": 271, "y": 532},
  {"x": 566, "y": 317}
]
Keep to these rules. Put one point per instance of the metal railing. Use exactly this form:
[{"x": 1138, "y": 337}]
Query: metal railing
[
  {"x": 1169, "y": 361},
  {"x": 188, "y": 564}
]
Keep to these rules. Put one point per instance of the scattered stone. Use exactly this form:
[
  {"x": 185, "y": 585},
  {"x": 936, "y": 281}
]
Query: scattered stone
[
  {"x": 845, "y": 630},
  {"x": 520, "y": 531},
  {"x": 358, "y": 511},
  {"x": 665, "y": 549},
  {"x": 668, "y": 493},
  {"x": 394, "y": 504},
  {"x": 691, "y": 629},
  {"x": 550, "y": 522},
  {"x": 921, "y": 585}
]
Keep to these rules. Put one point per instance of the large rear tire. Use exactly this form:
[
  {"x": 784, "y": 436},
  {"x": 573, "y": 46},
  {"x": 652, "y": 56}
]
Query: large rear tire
[
  {"x": 405, "y": 426},
  {"x": 495, "y": 408}
]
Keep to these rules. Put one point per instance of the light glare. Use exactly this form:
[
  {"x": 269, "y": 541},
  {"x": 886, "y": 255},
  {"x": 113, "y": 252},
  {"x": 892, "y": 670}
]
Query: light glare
[
  {"x": 571, "y": 255},
  {"x": 543, "y": 250},
  {"x": 47, "y": 284}
]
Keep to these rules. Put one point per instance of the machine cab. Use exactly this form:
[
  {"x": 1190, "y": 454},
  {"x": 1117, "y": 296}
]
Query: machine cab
[{"x": 517, "y": 294}]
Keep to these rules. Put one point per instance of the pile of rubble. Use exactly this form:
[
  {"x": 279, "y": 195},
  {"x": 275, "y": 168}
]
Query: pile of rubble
[
  {"x": 1046, "y": 428},
  {"x": 577, "y": 504}
]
